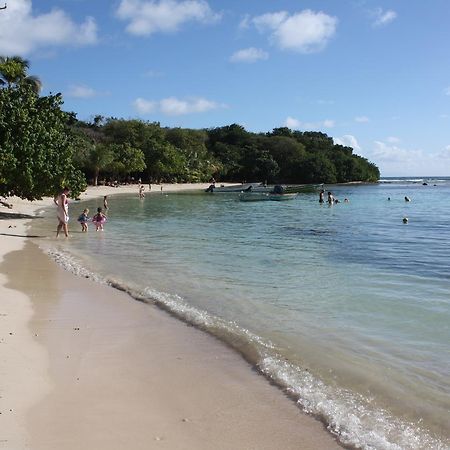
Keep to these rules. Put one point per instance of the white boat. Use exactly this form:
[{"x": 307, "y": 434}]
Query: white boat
[
  {"x": 261, "y": 188},
  {"x": 261, "y": 196}
]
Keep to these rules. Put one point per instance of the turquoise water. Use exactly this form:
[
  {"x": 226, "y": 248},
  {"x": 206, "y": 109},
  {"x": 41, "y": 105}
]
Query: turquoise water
[{"x": 344, "y": 306}]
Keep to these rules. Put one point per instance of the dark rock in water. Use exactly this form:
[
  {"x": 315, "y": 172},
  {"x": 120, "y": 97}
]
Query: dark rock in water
[{"x": 424, "y": 184}]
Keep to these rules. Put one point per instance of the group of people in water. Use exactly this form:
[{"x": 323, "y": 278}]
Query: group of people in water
[
  {"x": 98, "y": 219},
  {"x": 331, "y": 200},
  {"x": 62, "y": 212}
]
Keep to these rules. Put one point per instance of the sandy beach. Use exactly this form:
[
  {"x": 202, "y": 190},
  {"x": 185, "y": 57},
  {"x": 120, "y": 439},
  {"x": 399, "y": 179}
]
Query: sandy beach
[{"x": 83, "y": 366}]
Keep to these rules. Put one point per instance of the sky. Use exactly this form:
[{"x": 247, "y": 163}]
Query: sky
[{"x": 372, "y": 74}]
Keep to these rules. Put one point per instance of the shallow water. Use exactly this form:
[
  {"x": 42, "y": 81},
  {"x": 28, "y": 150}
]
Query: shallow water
[{"x": 345, "y": 306}]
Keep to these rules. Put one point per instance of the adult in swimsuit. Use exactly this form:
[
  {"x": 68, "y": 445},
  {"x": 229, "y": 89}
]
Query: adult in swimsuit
[{"x": 62, "y": 211}]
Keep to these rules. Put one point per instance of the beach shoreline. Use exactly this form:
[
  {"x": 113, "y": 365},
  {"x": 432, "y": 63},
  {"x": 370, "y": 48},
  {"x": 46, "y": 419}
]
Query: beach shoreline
[{"x": 109, "y": 372}]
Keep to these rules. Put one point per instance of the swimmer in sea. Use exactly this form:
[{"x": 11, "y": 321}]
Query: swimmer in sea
[
  {"x": 321, "y": 193},
  {"x": 330, "y": 198},
  {"x": 407, "y": 199}
]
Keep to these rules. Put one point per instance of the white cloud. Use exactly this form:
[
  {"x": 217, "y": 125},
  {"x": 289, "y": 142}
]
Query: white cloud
[
  {"x": 305, "y": 32},
  {"x": 293, "y": 123},
  {"x": 143, "y": 106},
  {"x": 393, "y": 140},
  {"x": 383, "y": 17},
  {"x": 445, "y": 152},
  {"x": 270, "y": 20},
  {"x": 347, "y": 140},
  {"x": 245, "y": 22},
  {"x": 396, "y": 160},
  {"x": 249, "y": 55},
  {"x": 392, "y": 153},
  {"x": 81, "y": 91},
  {"x": 148, "y": 16},
  {"x": 173, "y": 106},
  {"x": 22, "y": 32},
  {"x": 362, "y": 119}
]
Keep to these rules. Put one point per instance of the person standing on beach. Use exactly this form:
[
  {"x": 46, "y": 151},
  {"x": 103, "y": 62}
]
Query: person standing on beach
[{"x": 62, "y": 212}]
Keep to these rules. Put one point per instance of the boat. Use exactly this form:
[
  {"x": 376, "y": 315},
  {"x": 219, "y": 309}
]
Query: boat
[
  {"x": 261, "y": 188},
  {"x": 261, "y": 197}
]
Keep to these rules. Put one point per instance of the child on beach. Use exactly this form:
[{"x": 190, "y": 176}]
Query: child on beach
[
  {"x": 99, "y": 219},
  {"x": 83, "y": 219}
]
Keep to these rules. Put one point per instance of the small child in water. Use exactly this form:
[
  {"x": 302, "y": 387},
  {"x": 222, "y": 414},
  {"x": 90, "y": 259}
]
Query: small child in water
[
  {"x": 99, "y": 219},
  {"x": 83, "y": 219}
]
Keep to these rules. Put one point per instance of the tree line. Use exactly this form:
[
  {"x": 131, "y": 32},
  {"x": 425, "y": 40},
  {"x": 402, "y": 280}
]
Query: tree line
[{"x": 43, "y": 148}]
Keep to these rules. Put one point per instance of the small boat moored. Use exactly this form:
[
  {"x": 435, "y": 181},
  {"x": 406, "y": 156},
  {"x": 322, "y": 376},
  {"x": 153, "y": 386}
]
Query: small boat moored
[{"x": 261, "y": 196}]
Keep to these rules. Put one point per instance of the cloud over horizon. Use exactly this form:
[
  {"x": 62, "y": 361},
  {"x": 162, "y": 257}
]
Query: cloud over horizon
[
  {"x": 81, "y": 91},
  {"x": 172, "y": 106},
  {"x": 22, "y": 32},
  {"x": 304, "y": 32},
  {"x": 146, "y": 17},
  {"x": 347, "y": 140},
  {"x": 294, "y": 123}
]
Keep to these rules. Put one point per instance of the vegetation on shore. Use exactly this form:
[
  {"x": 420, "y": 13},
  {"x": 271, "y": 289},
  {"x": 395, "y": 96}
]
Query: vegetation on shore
[{"x": 43, "y": 148}]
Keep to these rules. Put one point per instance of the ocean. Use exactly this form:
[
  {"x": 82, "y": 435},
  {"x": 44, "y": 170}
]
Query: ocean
[{"x": 345, "y": 307}]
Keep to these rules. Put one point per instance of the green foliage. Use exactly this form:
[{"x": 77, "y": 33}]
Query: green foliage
[
  {"x": 127, "y": 159},
  {"x": 228, "y": 153},
  {"x": 13, "y": 71},
  {"x": 36, "y": 149},
  {"x": 295, "y": 157},
  {"x": 100, "y": 157}
]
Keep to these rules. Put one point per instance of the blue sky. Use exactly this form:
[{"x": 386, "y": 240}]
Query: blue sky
[{"x": 372, "y": 74}]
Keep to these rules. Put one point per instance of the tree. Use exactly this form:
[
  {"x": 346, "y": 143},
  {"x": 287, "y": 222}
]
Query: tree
[
  {"x": 318, "y": 169},
  {"x": 100, "y": 157},
  {"x": 127, "y": 159},
  {"x": 36, "y": 147},
  {"x": 13, "y": 71},
  {"x": 200, "y": 164},
  {"x": 288, "y": 154}
]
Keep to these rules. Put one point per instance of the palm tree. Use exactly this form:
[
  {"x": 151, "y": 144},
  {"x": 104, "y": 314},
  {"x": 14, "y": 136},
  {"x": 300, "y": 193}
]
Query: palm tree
[{"x": 13, "y": 70}]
